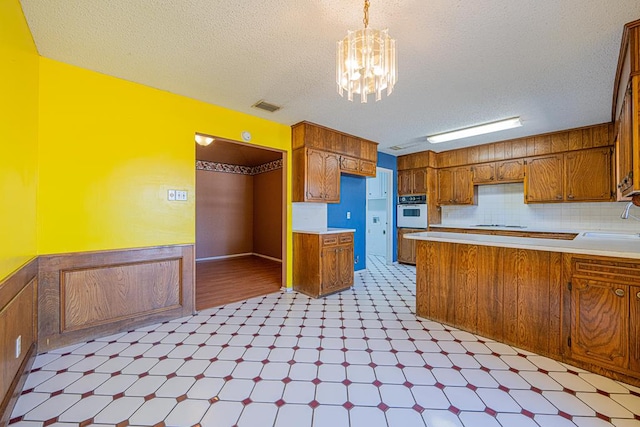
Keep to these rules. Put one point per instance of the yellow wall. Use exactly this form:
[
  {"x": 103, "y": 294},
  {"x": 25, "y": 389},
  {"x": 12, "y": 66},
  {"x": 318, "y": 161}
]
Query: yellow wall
[
  {"x": 109, "y": 151},
  {"x": 18, "y": 139}
]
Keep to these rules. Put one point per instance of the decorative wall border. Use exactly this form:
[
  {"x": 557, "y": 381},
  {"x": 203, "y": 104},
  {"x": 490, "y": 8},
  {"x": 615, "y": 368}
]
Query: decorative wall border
[{"x": 238, "y": 169}]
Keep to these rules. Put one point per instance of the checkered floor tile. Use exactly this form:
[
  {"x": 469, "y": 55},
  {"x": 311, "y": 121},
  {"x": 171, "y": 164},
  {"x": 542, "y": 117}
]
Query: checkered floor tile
[{"x": 358, "y": 358}]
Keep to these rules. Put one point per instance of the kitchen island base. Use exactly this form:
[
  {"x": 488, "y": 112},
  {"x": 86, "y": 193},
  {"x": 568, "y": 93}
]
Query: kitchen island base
[{"x": 579, "y": 309}]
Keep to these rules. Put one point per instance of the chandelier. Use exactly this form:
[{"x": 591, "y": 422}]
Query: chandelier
[{"x": 366, "y": 62}]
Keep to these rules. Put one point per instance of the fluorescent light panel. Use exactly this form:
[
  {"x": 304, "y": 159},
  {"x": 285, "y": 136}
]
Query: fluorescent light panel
[{"x": 513, "y": 122}]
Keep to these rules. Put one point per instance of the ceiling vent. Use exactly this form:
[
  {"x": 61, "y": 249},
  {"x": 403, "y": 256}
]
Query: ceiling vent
[
  {"x": 403, "y": 146},
  {"x": 266, "y": 106}
]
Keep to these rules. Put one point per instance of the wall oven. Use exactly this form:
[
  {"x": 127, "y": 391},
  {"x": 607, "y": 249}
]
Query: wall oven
[{"x": 412, "y": 211}]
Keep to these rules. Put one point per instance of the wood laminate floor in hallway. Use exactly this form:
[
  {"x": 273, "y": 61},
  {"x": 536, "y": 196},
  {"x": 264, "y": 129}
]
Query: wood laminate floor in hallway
[{"x": 224, "y": 281}]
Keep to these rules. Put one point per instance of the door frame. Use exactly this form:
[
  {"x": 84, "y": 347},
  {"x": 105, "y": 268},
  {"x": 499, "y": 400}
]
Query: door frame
[
  {"x": 285, "y": 202},
  {"x": 390, "y": 214}
]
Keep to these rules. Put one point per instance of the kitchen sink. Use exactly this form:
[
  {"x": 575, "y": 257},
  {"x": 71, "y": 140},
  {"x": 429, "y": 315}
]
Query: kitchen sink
[{"x": 614, "y": 236}]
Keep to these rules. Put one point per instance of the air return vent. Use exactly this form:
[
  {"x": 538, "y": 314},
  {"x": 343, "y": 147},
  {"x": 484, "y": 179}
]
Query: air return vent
[
  {"x": 403, "y": 146},
  {"x": 266, "y": 106}
]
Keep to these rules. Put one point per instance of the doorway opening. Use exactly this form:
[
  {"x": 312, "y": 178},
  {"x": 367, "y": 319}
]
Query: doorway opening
[
  {"x": 379, "y": 206},
  {"x": 240, "y": 222}
]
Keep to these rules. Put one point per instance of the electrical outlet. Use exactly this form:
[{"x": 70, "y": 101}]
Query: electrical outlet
[
  {"x": 181, "y": 195},
  {"x": 171, "y": 195},
  {"x": 18, "y": 346}
]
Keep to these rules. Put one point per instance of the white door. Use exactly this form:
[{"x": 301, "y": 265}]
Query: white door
[{"x": 378, "y": 215}]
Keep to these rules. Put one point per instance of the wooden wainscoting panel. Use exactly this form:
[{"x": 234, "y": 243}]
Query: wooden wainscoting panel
[
  {"x": 112, "y": 291},
  {"x": 95, "y": 296},
  {"x": 18, "y": 317}
]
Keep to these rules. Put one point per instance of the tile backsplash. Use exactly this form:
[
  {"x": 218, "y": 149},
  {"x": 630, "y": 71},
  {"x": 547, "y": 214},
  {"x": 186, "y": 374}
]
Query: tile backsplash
[
  {"x": 308, "y": 216},
  {"x": 504, "y": 204}
]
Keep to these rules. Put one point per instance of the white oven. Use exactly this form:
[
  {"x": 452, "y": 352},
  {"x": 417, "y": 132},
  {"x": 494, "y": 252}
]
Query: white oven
[{"x": 412, "y": 211}]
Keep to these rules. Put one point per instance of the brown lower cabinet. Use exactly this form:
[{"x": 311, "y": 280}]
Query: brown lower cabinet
[
  {"x": 583, "y": 310},
  {"x": 322, "y": 263},
  {"x": 407, "y": 247},
  {"x": 603, "y": 313}
]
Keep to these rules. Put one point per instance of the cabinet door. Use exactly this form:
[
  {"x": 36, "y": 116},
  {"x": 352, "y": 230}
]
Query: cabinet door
[
  {"x": 315, "y": 176},
  {"x": 510, "y": 171},
  {"x": 405, "y": 182},
  {"x": 588, "y": 175},
  {"x": 367, "y": 168},
  {"x": 625, "y": 144},
  {"x": 419, "y": 181},
  {"x": 483, "y": 174},
  {"x": 445, "y": 187},
  {"x": 330, "y": 273},
  {"x": 634, "y": 331},
  {"x": 543, "y": 179},
  {"x": 349, "y": 164},
  {"x": 331, "y": 178},
  {"x": 345, "y": 265},
  {"x": 462, "y": 186},
  {"x": 600, "y": 328},
  {"x": 406, "y": 247}
]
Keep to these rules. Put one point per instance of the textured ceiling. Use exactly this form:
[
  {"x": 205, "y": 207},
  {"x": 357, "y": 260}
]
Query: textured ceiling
[{"x": 461, "y": 63}]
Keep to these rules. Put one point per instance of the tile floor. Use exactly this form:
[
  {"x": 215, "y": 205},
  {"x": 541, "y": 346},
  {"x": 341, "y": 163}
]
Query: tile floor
[{"x": 359, "y": 358}]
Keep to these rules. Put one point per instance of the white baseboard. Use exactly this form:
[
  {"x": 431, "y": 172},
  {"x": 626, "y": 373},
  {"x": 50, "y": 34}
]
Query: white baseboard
[
  {"x": 213, "y": 258},
  {"x": 268, "y": 257}
]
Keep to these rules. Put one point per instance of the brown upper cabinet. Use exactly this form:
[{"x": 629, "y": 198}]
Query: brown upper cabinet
[
  {"x": 575, "y": 176},
  {"x": 319, "y": 156},
  {"x": 543, "y": 182},
  {"x": 498, "y": 172},
  {"x": 550, "y": 143},
  {"x": 626, "y": 112},
  {"x": 455, "y": 186},
  {"x": 412, "y": 181},
  {"x": 316, "y": 176}
]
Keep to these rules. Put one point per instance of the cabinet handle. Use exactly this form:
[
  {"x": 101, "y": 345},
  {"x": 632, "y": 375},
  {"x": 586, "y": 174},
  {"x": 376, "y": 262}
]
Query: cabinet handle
[
  {"x": 559, "y": 197},
  {"x": 570, "y": 196},
  {"x": 619, "y": 292},
  {"x": 638, "y": 295}
]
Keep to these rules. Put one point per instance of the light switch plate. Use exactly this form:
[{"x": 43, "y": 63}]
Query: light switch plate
[{"x": 181, "y": 195}]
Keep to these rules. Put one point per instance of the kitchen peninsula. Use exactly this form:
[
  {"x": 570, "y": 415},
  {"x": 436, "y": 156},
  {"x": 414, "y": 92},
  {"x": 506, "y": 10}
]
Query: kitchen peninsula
[{"x": 577, "y": 301}]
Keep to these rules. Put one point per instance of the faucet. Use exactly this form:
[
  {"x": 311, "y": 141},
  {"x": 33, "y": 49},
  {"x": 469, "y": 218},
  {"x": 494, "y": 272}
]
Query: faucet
[
  {"x": 635, "y": 200},
  {"x": 625, "y": 213}
]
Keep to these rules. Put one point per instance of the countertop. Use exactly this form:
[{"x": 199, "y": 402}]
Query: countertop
[
  {"x": 602, "y": 243},
  {"x": 325, "y": 230},
  {"x": 525, "y": 229}
]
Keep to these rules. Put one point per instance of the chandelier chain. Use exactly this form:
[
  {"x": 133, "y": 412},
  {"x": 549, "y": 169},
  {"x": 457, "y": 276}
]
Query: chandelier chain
[{"x": 366, "y": 14}]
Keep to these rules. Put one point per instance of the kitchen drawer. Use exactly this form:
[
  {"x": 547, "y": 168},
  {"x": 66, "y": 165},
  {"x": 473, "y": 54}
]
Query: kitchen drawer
[
  {"x": 346, "y": 238},
  {"x": 330, "y": 240}
]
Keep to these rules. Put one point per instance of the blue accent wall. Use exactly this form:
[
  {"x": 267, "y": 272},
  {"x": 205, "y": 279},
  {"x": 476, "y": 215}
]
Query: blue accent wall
[
  {"x": 353, "y": 192},
  {"x": 353, "y": 198},
  {"x": 388, "y": 161}
]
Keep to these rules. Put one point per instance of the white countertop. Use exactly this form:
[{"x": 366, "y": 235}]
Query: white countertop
[
  {"x": 325, "y": 230},
  {"x": 602, "y": 243},
  {"x": 526, "y": 229}
]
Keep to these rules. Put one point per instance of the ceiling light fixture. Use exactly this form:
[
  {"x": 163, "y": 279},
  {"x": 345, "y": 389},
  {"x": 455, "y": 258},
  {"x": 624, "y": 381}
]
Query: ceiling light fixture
[
  {"x": 366, "y": 62},
  {"x": 511, "y": 123},
  {"x": 204, "y": 140}
]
